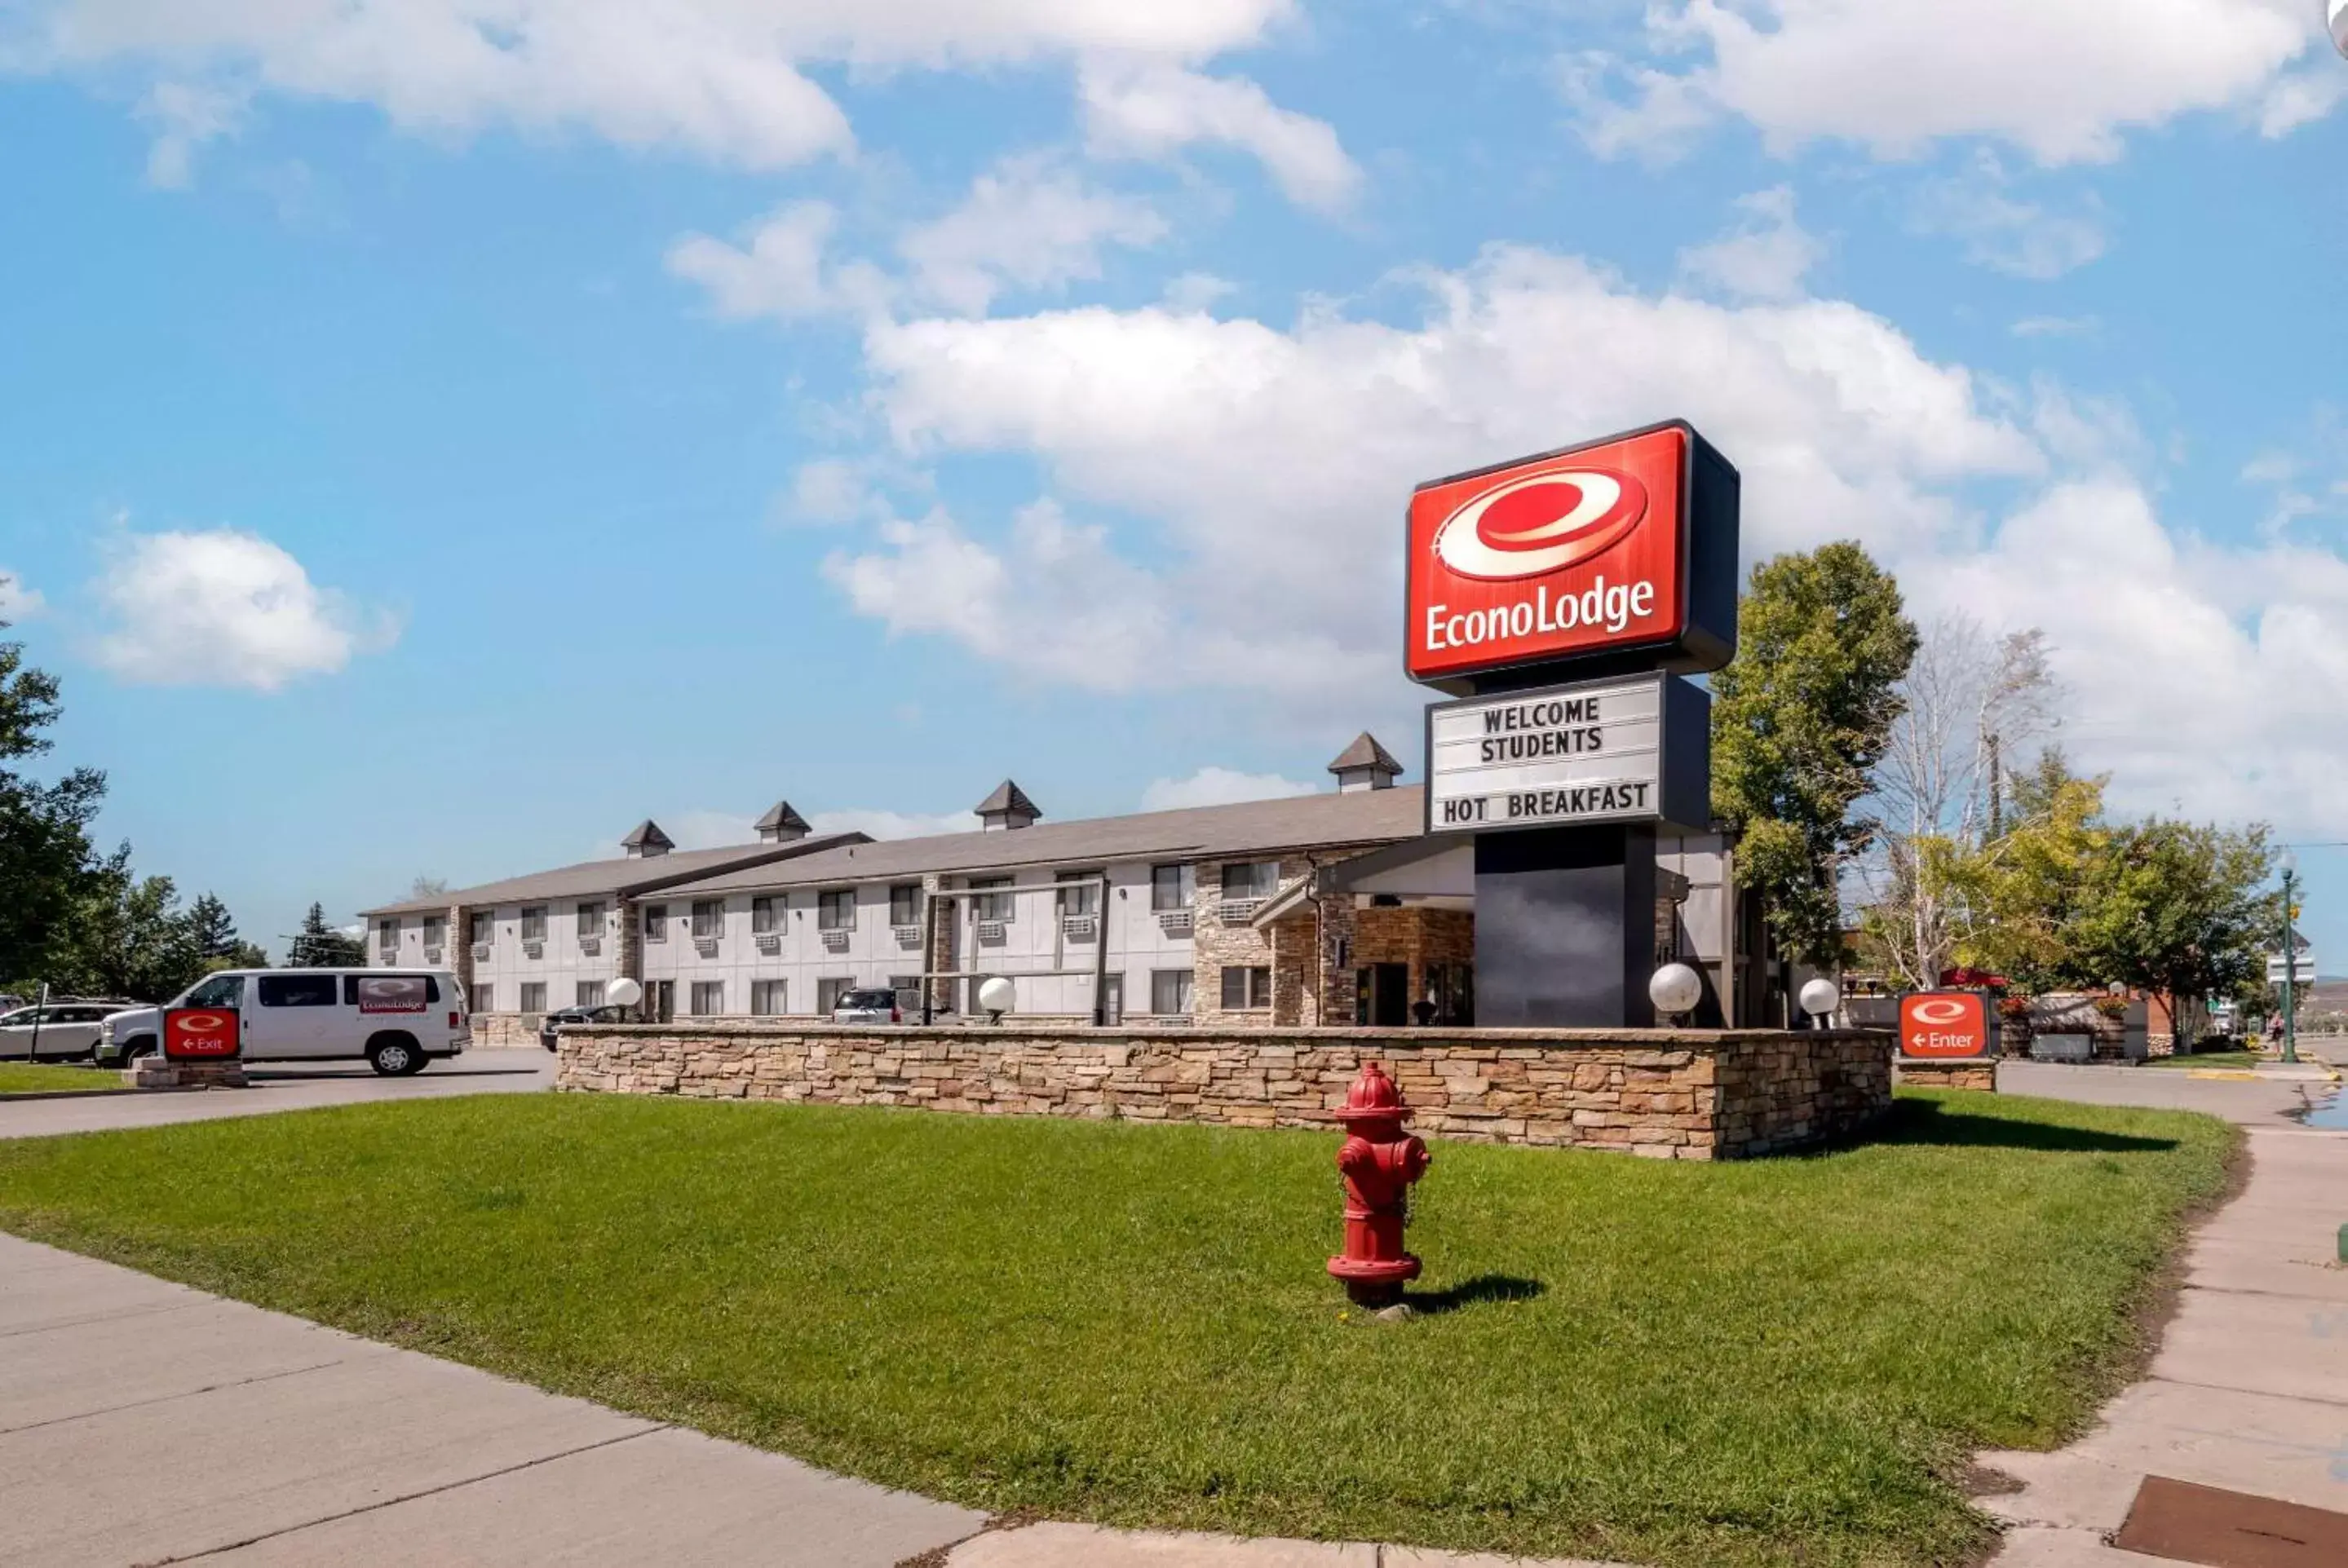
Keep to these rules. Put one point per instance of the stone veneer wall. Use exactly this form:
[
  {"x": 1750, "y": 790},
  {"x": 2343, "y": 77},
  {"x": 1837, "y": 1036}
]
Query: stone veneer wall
[
  {"x": 1977, "y": 1074},
  {"x": 1669, "y": 1095}
]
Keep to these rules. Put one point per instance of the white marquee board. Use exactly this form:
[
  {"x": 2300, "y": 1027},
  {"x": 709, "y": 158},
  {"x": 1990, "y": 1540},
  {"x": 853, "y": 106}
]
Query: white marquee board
[{"x": 1563, "y": 756}]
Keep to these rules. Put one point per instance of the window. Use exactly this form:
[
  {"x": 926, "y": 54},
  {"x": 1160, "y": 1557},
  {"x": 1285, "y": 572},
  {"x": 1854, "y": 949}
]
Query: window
[
  {"x": 485, "y": 998},
  {"x": 1250, "y": 879},
  {"x": 835, "y": 909},
  {"x": 533, "y": 996},
  {"x": 591, "y": 921},
  {"x": 534, "y": 922},
  {"x": 435, "y": 930},
  {"x": 708, "y": 998},
  {"x": 589, "y": 994},
  {"x": 1170, "y": 991},
  {"x": 387, "y": 937},
  {"x": 483, "y": 926},
  {"x": 656, "y": 922},
  {"x": 298, "y": 990},
  {"x": 989, "y": 905},
  {"x": 829, "y": 992},
  {"x": 220, "y": 991},
  {"x": 1079, "y": 893},
  {"x": 708, "y": 919},
  {"x": 1246, "y": 987},
  {"x": 1171, "y": 887},
  {"x": 905, "y": 903},
  {"x": 769, "y": 998},
  {"x": 766, "y": 915}
]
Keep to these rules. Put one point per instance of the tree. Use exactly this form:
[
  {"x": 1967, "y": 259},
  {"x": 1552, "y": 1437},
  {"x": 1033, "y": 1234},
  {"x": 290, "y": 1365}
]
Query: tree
[
  {"x": 318, "y": 946},
  {"x": 2028, "y": 894},
  {"x": 215, "y": 937},
  {"x": 426, "y": 887},
  {"x": 1798, "y": 721},
  {"x": 2184, "y": 910},
  {"x": 127, "y": 937},
  {"x": 44, "y": 849},
  {"x": 1970, "y": 705}
]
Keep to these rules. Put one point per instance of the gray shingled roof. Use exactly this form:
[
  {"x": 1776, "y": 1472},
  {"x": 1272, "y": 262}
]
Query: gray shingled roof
[
  {"x": 1009, "y": 796},
  {"x": 617, "y": 878},
  {"x": 782, "y": 819},
  {"x": 1365, "y": 753},
  {"x": 646, "y": 833},
  {"x": 1264, "y": 827}
]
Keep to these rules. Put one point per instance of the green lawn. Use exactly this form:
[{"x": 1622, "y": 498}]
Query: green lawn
[
  {"x": 29, "y": 1076},
  {"x": 1779, "y": 1362},
  {"x": 2231, "y": 1059}
]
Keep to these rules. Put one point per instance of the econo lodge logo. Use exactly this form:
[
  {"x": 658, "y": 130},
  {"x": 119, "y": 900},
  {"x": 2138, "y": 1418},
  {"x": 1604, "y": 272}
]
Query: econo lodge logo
[
  {"x": 1571, "y": 553},
  {"x": 1528, "y": 526}
]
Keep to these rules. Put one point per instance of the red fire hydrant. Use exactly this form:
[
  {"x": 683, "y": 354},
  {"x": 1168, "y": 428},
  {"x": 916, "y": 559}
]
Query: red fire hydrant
[{"x": 1379, "y": 1163}]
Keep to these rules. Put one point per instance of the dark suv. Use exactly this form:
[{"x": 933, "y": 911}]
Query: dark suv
[{"x": 550, "y": 1027}]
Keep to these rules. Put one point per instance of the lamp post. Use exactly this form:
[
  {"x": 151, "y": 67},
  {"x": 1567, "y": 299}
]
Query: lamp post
[{"x": 2290, "y": 886}]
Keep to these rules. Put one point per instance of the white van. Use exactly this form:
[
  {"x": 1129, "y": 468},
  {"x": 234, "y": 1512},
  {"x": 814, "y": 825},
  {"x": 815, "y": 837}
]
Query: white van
[{"x": 395, "y": 1019}]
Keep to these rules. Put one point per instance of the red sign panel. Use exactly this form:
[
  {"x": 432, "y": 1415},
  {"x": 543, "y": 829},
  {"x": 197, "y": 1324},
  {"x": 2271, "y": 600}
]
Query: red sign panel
[
  {"x": 1572, "y": 553},
  {"x": 199, "y": 1034},
  {"x": 1948, "y": 1025}
]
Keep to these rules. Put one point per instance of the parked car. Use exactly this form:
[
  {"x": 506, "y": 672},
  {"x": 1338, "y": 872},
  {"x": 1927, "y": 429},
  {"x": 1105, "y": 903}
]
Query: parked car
[
  {"x": 876, "y": 1005},
  {"x": 395, "y": 1019},
  {"x": 550, "y": 1027},
  {"x": 66, "y": 1029}
]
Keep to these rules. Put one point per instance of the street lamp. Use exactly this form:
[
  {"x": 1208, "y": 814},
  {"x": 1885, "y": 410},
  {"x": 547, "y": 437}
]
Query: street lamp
[
  {"x": 2291, "y": 860},
  {"x": 2335, "y": 17}
]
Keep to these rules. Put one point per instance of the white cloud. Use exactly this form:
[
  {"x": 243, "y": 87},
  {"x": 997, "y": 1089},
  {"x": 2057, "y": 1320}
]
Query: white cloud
[
  {"x": 1218, "y": 786},
  {"x": 1155, "y": 111},
  {"x": 892, "y": 823},
  {"x": 2055, "y": 326},
  {"x": 2303, "y": 97},
  {"x": 224, "y": 608},
  {"x": 2062, "y": 79},
  {"x": 783, "y": 270},
  {"x": 1767, "y": 257},
  {"x": 2019, "y": 238},
  {"x": 17, "y": 600},
  {"x": 1029, "y": 223},
  {"x": 830, "y": 490},
  {"x": 1261, "y": 470},
  {"x": 1197, "y": 292},
  {"x": 2207, "y": 677},
  {"x": 721, "y": 78},
  {"x": 186, "y": 116}
]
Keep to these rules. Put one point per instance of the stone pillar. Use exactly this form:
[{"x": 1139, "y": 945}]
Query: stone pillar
[
  {"x": 628, "y": 943},
  {"x": 460, "y": 943}
]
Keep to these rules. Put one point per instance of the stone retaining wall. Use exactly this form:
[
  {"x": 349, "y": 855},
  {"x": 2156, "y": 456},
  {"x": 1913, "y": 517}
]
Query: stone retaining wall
[
  {"x": 1669, "y": 1094},
  {"x": 1980, "y": 1074}
]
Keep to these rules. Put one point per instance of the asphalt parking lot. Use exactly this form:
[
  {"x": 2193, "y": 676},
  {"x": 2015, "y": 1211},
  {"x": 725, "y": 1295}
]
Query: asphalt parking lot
[{"x": 279, "y": 1086}]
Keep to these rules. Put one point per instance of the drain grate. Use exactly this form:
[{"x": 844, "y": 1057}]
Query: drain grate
[{"x": 2189, "y": 1523}]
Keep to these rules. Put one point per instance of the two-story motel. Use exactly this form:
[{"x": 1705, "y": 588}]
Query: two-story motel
[{"x": 1329, "y": 908}]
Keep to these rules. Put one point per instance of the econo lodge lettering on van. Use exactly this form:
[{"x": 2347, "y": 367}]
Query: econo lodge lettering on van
[{"x": 1550, "y": 557}]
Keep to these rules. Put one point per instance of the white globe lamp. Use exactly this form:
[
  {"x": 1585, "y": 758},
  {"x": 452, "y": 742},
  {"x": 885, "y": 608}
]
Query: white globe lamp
[
  {"x": 2335, "y": 22},
  {"x": 1675, "y": 989},
  {"x": 995, "y": 998},
  {"x": 624, "y": 993},
  {"x": 1820, "y": 997}
]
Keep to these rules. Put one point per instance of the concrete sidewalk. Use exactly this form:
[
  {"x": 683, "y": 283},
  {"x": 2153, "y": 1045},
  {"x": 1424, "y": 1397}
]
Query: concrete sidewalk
[
  {"x": 2249, "y": 1391},
  {"x": 143, "y": 1422}
]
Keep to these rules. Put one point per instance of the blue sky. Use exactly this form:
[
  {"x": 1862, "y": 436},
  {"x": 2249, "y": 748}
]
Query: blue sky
[{"x": 439, "y": 434}]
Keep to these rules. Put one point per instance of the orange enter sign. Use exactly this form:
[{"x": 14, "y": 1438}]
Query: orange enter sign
[{"x": 1943, "y": 1024}]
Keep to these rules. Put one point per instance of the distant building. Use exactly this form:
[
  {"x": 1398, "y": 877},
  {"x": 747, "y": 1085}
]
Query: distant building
[{"x": 1330, "y": 909}]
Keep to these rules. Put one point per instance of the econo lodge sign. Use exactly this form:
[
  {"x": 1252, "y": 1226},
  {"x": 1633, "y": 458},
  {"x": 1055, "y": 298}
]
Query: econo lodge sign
[
  {"x": 1950, "y": 1025},
  {"x": 1621, "y": 545}
]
